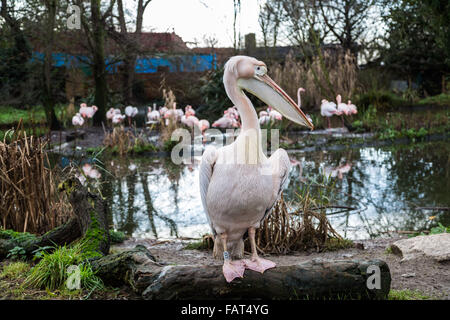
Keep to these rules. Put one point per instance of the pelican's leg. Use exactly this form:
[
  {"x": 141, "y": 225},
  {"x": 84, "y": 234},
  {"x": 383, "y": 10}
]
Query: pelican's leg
[
  {"x": 256, "y": 263},
  {"x": 231, "y": 269}
]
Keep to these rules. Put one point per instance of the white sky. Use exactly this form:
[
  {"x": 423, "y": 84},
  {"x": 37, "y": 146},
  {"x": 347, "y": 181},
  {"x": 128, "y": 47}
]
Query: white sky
[{"x": 194, "y": 19}]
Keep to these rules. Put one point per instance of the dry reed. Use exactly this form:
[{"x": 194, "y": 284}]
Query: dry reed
[
  {"x": 124, "y": 141},
  {"x": 30, "y": 201},
  {"x": 323, "y": 76},
  {"x": 305, "y": 228},
  {"x": 171, "y": 126},
  {"x": 285, "y": 232},
  {"x": 120, "y": 139}
]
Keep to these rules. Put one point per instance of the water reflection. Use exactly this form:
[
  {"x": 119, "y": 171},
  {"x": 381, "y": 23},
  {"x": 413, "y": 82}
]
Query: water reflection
[{"x": 152, "y": 197}]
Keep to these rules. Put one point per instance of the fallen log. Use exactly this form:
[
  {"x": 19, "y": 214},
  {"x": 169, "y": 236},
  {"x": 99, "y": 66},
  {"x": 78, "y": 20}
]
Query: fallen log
[
  {"x": 315, "y": 279},
  {"x": 89, "y": 221}
]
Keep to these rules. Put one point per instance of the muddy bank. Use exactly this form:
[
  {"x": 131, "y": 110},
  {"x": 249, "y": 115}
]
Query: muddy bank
[{"x": 425, "y": 275}]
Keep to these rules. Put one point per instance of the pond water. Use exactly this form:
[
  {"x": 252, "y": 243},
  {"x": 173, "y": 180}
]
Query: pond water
[{"x": 382, "y": 187}]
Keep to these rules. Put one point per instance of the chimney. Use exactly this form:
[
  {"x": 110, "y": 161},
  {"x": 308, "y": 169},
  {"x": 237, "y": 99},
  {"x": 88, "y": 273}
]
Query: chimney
[{"x": 250, "y": 42}]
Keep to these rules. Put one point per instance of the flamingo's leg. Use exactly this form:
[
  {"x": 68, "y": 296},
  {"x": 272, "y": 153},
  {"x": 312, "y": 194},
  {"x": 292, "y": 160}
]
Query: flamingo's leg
[
  {"x": 329, "y": 125},
  {"x": 231, "y": 269},
  {"x": 256, "y": 263}
]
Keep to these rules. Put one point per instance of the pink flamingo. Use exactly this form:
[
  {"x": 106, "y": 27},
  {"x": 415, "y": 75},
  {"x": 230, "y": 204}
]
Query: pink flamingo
[
  {"x": 118, "y": 118},
  {"x": 91, "y": 172},
  {"x": 77, "y": 120},
  {"x": 110, "y": 114},
  {"x": 225, "y": 122},
  {"x": 264, "y": 117},
  {"x": 153, "y": 115},
  {"x": 189, "y": 121},
  {"x": 130, "y": 112},
  {"x": 351, "y": 107},
  {"x": 162, "y": 111},
  {"x": 189, "y": 111},
  {"x": 328, "y": 109},
  {"x": 342, "y": 108},
  {"x": 274, "y": 115},
  {"x": 203, "y": 125},
  {"x": 87, "y": 112}
]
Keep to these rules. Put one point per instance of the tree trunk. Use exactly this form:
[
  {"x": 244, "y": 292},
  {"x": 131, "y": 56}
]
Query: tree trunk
[
  {"x": 101, "y": 89},
  {"x": 48, "y": 99},
  {"x": 89, "y": 221},
  {"x": 316, "y": 279}
]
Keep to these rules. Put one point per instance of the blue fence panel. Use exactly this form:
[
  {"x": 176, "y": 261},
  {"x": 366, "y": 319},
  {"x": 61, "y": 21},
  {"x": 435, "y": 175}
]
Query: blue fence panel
[{"x": 180, "y": 63}]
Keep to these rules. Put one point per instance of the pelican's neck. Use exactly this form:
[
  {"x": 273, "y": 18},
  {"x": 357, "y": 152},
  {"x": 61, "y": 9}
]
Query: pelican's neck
[
  {"x": 250, "y": 135},
  {"x": 243, "y": 104}
]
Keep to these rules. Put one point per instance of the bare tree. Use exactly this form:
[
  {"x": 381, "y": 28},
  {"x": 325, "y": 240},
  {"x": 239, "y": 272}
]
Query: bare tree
[
  {"x": 346, "y": 20},
  {"x": 129, "y": 42},
  {"x": 236, "y": 29},
  {"x": 94, "y": 27},
  {"x": 49, "y": 38},
  {"x": 270, "y": 18}
]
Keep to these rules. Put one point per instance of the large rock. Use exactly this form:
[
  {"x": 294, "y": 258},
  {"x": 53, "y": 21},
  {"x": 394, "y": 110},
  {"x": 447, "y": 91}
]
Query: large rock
[{"x": 436, "y": 246}]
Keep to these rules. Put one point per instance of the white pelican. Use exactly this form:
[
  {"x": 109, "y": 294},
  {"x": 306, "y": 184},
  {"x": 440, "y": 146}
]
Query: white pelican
[{"x": 239, "y": 185}]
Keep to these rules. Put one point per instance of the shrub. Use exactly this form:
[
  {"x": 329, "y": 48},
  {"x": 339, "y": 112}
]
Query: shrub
[
  {"x": 117, "y": 236},
  {"x": 381, "y": 100}
]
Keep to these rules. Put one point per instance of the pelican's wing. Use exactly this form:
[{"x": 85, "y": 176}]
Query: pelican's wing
[
  {"x": 281, "y": 166},
  {"x": 206, "y": 170}
]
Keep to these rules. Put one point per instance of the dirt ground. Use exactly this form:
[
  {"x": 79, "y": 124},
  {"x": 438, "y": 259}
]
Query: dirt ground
[{"x": 425, "y": 275}]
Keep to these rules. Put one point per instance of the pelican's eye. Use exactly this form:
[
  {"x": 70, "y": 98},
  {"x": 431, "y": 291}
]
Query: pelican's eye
[{"x": 260, "y": 70}]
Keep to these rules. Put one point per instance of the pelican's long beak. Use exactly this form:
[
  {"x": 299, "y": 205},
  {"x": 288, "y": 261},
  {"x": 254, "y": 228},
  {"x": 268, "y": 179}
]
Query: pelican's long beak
[{"x": 268, "y": 91}]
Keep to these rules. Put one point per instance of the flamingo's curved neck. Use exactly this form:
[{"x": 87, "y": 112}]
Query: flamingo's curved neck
[{"x": 299, "y": 100}]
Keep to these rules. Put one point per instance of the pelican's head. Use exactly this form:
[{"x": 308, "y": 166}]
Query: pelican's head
[{"x": 250, "y": 74}]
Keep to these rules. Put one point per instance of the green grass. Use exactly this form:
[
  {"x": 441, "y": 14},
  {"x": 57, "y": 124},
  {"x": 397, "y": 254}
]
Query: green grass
[
  {"x": 333, "y": 244},
  {"x": 9, "y": 115},
  {"x": 407, "y": 294},
  {"x": 440, "y": 228},
  {"x": 442, "y": 99},
  {"x": 18, "y": 237},
  {"x": 197, "y": 245},
  {"x": 15, "y": 270},
  {"x": 381, "y": 100}
]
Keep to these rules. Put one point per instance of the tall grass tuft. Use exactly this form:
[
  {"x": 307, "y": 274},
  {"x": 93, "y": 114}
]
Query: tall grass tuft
[
  {"x": 52, "y": 271},
  {"x": 29, "y": 198}
]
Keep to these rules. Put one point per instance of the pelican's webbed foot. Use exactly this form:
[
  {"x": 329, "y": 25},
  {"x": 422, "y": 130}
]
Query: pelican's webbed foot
[
  {"x": 258, "y": 264},
  {"x": 232, "y": 269}
]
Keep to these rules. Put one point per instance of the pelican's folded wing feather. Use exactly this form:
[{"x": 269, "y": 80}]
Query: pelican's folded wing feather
[
  {"x": 206, "y": 170},
  {"x": 281, "y": 167}
]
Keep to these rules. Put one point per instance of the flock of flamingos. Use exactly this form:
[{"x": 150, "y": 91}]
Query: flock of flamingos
[{"x": 230, "y": 118}]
